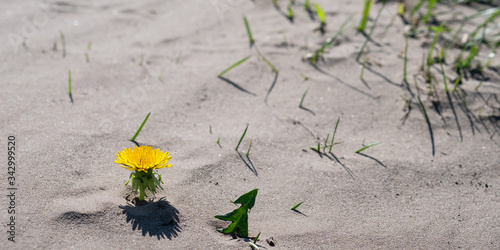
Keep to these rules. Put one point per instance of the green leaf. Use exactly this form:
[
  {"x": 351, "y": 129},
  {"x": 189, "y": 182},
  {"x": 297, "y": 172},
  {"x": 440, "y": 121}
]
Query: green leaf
[{"x": 239, "y": 216}]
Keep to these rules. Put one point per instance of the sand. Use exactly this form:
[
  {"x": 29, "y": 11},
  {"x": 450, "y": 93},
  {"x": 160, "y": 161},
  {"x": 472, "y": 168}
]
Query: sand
[{"x": 163, "y": 57}]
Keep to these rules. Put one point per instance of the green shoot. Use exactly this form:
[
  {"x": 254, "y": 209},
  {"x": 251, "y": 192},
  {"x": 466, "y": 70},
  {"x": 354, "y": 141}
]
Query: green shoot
[
  {"x": 303, "y": 97},
  {"x": 333, "y": 136},
  {"x": 69, "y": 81},
  {"x": 210, "y": 129},
  {"x": 275, "y": 3},
  {"x": 296, "y": 206},
  {"x": 218, "y": 140},
  {"x": 364, "y": 18},
  {"x": 444, "y": 77},
  {"x": 63, "y": 41},
  {"x": 304, "y": 76},
  {"x": 256, "y": 238},
  {"x": 405, "y": 60},
  {"x": 241, "y": 139},
  {"x": 239, "y": 216},
  {"x": 307, "y": 5},
  {"x": 368, "y": 146},
  {"x": 140, "y": 128},
  {"x": 249, "y": 147},
  {"x": 233, "y": 66},
  {"x": 87, "y": 57},
  {"x": 321, "y": 14},
  {"x": 249, "y": 32},
  {"x": 290, "y": 12},
  {"x": 437, "y": 31},
  {"x": 330, "y": 40},
  {"x": 401, "y": 9}
]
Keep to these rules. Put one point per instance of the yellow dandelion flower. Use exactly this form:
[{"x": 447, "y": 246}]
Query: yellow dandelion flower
[{"x": 143, "y": 158}]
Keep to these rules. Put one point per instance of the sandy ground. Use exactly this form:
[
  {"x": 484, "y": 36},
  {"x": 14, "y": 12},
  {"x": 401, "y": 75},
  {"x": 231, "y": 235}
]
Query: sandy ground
[{"x": 163, "y": 57}]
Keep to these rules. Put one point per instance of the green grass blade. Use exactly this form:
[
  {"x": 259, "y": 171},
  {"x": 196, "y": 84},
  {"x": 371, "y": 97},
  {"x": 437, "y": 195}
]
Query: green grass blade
[
  {"x": 405, "y": 60},
  {"x": 444, "y": 77},
  {"x": 296, "y": 206},
  {"x": 140, "y": 128},
  {"x": 256, "y": 238},
  {"x": 241, "y": 139},
  {"x": 290, "y": 12},
  {"x": 401, "y": 9},
  {"x": 249, "y": 32},
  {"x": 437, "y": 31},
  {"x": 69, "y": 81},
  {"x": 364, "y": 18},
  {"x": 233, "y": 66},
  {"x": 369, "y": 146},
  {"x": 321, "y": 14},
  {"x": 333, "y": 136},
  {"x": 303, "y": 97},
  {"x": 266, "y": 61},
  {"x": 307, "y": 5},
  {"x": 249, "y": 147},
  {"x": 459, "y": 79},
  {"x": 425, "y": 111},
  {"x": 63, "y": 41}
]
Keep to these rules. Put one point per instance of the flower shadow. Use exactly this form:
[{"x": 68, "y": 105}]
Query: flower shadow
[{"x": 158, "y": 218}]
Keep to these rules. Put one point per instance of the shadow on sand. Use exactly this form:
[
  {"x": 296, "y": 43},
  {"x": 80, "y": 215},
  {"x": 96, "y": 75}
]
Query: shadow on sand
[{"x": 159, "y": 218}]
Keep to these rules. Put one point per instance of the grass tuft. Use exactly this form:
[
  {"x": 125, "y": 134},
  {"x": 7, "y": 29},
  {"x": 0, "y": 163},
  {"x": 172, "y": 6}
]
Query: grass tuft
[{"x": 140, "y": 128}]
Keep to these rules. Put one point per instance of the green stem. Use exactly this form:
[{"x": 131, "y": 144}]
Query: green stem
[{"x": 142, "y": 191}]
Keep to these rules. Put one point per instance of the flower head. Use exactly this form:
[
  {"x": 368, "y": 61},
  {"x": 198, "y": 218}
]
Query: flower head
[{"x": 143, "y": 158}]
